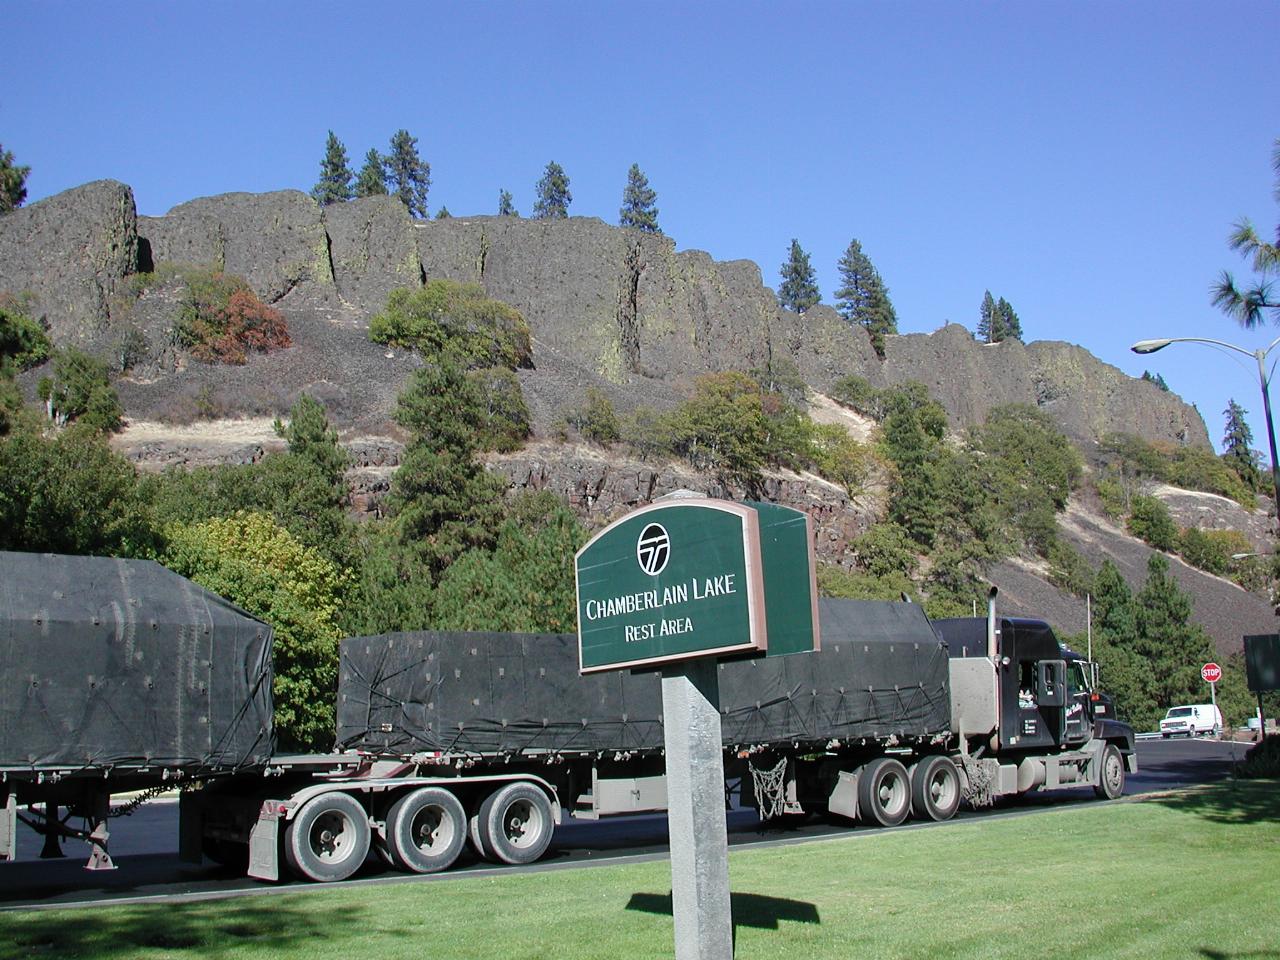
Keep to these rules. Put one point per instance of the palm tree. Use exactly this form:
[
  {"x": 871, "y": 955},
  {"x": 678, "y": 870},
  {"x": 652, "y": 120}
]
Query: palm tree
[{"x": 1247, "y": 306}]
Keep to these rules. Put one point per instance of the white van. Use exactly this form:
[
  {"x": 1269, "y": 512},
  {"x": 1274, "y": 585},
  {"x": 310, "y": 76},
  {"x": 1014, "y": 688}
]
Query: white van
[{"x": 1193, "y": 720}]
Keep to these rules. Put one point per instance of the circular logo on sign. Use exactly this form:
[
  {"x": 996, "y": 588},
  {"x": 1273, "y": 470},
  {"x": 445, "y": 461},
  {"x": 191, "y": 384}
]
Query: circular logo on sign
[{"x": 653, "y": 549}]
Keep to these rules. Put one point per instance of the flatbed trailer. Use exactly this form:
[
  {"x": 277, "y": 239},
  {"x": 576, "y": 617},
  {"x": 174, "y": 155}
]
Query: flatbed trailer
[
  {"x": 119, "y": 675},
  {"x": 495, "y": 738}
]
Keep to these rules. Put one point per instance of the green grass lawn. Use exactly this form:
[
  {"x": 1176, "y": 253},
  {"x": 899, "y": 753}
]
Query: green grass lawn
[{"x": 1193, "y": 874}]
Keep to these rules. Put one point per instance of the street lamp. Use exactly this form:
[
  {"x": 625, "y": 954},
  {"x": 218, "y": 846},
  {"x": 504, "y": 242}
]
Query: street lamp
[{"x": 1151, "y": 346}]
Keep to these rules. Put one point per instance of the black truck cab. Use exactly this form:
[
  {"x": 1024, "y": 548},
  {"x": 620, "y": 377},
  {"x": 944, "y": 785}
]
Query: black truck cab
[{"x": 1045, "y": 693}]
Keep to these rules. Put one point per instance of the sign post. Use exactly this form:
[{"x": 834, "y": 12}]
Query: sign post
[
  {"x": 1262, "y": 670},
  {"x": 696, "y": 825},
  {"x": 671, "y": 587},
  {"x": 1211, "y": 673}
]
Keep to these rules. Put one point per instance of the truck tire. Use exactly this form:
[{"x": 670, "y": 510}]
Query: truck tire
[
  {"x": 884, "y": 792},
  {"x": 935, "y": 788},
  {"x": 426, "y": 830},
  {"x": 328, "y": 839},
  {"x": 514, "y": 824},
  {"x": 1110, "y": 783}
]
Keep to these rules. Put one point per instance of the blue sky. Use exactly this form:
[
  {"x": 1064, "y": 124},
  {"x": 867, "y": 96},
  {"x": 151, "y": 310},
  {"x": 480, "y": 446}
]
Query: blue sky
[{"x": 1083, "y": 160}]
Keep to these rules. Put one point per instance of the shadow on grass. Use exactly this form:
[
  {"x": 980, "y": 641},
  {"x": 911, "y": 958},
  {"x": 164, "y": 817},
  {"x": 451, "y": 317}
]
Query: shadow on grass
[
  {"x": 204, "y": 930},
  {"x": 749, "y": 909},
  {"x": 1244, "y": 955},
  {"x": 1230, "y": 801}
]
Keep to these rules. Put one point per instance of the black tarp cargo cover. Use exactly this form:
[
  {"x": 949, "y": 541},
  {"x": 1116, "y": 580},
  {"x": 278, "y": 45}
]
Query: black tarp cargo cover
[
  {"x": 881, "y": 672},
  {"x": 122, "y": 664}
]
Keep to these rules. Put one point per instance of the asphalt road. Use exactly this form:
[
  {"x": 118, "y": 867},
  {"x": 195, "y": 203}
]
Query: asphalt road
[{"x": 145, "y": 844}]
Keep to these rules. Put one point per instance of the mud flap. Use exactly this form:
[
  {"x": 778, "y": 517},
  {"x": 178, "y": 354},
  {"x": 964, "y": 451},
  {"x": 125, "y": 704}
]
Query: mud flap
[
  {"x": 264, "y": 843},
  {"x": 9, "y": 829},
  {"x": 844, "y": 795},
  {"x": 190, "y": 827}
]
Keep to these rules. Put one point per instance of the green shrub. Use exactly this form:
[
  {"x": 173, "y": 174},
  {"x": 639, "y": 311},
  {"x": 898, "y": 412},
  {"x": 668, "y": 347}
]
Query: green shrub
[
  {"x": 839, "y": 458},
  {"x": 1115, "y": 499},
  {"x": 595, "y": 419},
  {"x": 1068, "y": 570},
  {"x": 1149, "y": 520},
  {"x": 454, "y": 319},
  {"x": 80, "y": 391},
  {"x": 1211, "y": 550},
  {"x": 257, "y": 564},
  {"x": 505, "y": 422},
  {"x": 23, "y": 342},
  {"x": 853, "y": 585},
  {"x": 723, "y": 427},
  {"x": 1262, "y": 760},
  {"x": 220, "y": 319},
  {"x": 1194, "y": 468},
  {"x": 860, "y": 396},
  {"x": 885, "y": 551},
  {"x": 649, "y": 434},
  {"x": 1128, "y": 457}
]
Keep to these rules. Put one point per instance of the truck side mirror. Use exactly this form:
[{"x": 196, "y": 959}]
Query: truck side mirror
[{"x": 1051, "y": 687}]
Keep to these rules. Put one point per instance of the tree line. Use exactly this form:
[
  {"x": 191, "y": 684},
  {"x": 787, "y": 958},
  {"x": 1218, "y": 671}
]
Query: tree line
[
  {"x": 403, "y": 173},
  {"x": 863, "y": 298}
]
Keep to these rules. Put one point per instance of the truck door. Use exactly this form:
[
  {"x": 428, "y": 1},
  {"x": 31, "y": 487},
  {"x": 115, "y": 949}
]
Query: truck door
[
  {"x": 1038, "y": 721},
  {"x": 1078, "y": 727}
]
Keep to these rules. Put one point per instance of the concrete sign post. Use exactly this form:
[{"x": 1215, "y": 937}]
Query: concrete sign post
[
  {"x": 699, "y": 835},
  {"x": 673, "y": 586}
]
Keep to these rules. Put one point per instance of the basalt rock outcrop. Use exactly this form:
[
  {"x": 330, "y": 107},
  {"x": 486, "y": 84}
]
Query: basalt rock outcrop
[
  {"x": 68, "y": 257},
  {"x": 616, "y": 308}
]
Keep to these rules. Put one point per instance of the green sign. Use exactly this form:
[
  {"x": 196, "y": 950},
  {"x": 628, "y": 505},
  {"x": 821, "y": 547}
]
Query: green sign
[
  {"x": 671, "y": 582},
  {"x": 790, "y": 578}
]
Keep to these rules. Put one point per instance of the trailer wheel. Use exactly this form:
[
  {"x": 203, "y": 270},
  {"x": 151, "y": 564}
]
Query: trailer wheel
[
  {"x": 514, "y": 824},
  {"x": 1111, "y": 778},
  {"x": 426, "y": 830},
  {"x": 328, "y": 839},
  {"x": 884, "y": 792},
  {"x": 935, "y": 788}
]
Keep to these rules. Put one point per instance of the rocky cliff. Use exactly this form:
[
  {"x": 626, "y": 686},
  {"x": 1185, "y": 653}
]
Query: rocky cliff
[{"x": 617, "y": 308}]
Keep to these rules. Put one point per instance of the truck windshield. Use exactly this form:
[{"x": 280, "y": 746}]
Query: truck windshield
[{"x": 1180, "y": 712}]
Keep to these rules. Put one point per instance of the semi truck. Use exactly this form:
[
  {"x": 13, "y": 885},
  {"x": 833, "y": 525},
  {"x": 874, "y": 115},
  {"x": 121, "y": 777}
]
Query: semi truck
[{"x": 120, "y": 675}]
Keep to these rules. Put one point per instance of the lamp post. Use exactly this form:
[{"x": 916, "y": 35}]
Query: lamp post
[{"x": 1151, "y": 346}]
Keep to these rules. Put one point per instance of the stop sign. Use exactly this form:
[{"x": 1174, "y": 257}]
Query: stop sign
[{"x": 1211, "y": 673}]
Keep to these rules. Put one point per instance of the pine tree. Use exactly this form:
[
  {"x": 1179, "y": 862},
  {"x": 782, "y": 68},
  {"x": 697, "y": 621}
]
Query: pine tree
[
  {"x": 1155, "y": 378},
  {"x": 1010, "y": 325},
  {"x": 334, "y": 185},
  {"x": 13, "y": 182},
  {"x": 989, "y": 320},
  {"x": 372, "y": 181},
  {"x": 1115, "y": 638},
  {"x": 863, "y": 298},
  {"x": 799, "y": 290},
  {"x": 637, "y": 203},
  {"x": 1173, "y": 647},
  {"x": 505, "y": 207},
  {"x": 1237, "y": 445},
  {"x": 553, "y": 194},
  {"x": 443, "y": 214},
  {"x": 408, "y": 175}
]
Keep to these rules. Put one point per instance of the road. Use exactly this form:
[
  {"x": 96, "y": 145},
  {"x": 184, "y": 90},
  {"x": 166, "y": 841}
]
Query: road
[{"x": 145, "y": 844}]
